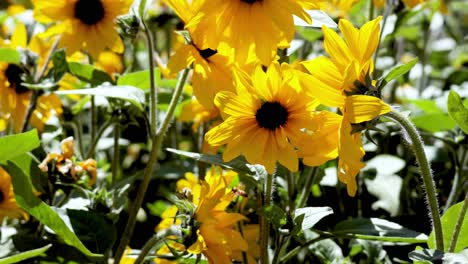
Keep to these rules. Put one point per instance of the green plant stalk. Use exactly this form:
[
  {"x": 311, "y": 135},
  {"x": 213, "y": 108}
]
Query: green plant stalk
[
  {"x": 156, "y": 145},
  {"x": 456, "y": 180},
  {"x": 418, "y": 149},
  {"x": 153, "y": 88},
  {"x": 35, "y": 94},
  {"x": 151, "y": 243},
  {"x": 116, "y": 157},
  {"x": 265, "y": 225},
  {"x": 458, "y": 225},
  {"x": 94, "y": 132},
  {"x": 307, "y": 186},
  {"x": 97, "y": 137}
]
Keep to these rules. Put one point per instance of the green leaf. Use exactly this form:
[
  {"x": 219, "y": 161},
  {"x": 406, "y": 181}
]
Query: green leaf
[
  {"x": 275, "y": 215},
  {"x": 139, "y": 79},
  {"x": 398, "y": 71},
  {"x": 428, "y": 106},
  {"x": 25, "y": 255},
  {"x": 59, "y": 59},
  {"x": 458, "y": 111},
  {"x": 89, "y": 73},
  {"x": 378, "y": 229},
  {"x": 312, "y": 215},
  {"x": 237, "y": 164},
  {"x": 10, "y": 56},
  {"x": 41, "y": 211},
  {"x": 131, "y": 94},
  {"x": 15, "y": 145},
  {"x": 96, "y": 231},
  {"x": 449, "y": 220},
  {"x": 434, "y": 122},
  {"x": 157, "y": 208},
  {"x": 142, "y": 9}
]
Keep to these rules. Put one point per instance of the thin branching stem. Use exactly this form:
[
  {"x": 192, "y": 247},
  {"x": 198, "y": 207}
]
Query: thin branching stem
[
  {"x": 458, "y": 225},
  {"x": 153, "y": 88},
  {"x": 307, "y": 186},
  {"x": 156, "y": 145},
  {"x": 265, "y": 225},
  {"x": 418, "y": 149},
  {"x": 116, "y": 157}
]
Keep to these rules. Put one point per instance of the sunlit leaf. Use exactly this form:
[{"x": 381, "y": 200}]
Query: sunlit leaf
[
  {"x": 131, "y": 94},
  {"x": 458, "y": 111},
  {"x": 15, "y": 145},
  {"x": 426, "y": 105},
  {"x": 89, "y": 73},
  {"x": 10, "y": 56},
  {"x": 449, "y": 220},
  {"x": 40, "y": 210},
  {"x": 25, "y": 255},
  {"x": 312, "y": 215},
  {"x": 434, "y": 122},
  {"x": 139, "y": 79},
  {"x": 319, "y": 19},
  {"x": 397, "y": 71}
]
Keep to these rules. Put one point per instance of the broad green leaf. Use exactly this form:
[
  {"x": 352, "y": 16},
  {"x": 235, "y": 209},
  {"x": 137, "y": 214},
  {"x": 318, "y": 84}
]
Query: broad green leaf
[
  {"x": 238, "y": 164},
  {"x": 41, "y": 211},
  {"x": 25, "y": 255},
  {"x": 428, "y": 106},
  {"x": 89, "y": 73},
  {"x": 378, "y": 229},
  {"x": 10, "y": 56},
  {"x": 275, "y": 215},
  {"x": 131, "y": 94},
  {"x": 96, "y": 231},
  {"x": 398, "y": 71},
  {"x": 157, "y": 208},
  {"x": 458, "y": 111},
  {"x": 309, "y": 34},
  {"x": 312, "y": 215},
  {"x": 434, "y": 122},
  {"x": 59, "y": 59},
  {"x": 139, "y": 79},
  {"x": 449, "y": 220},
  {"x": 15, "y": 145},
  {"x": 79, "y": 106}
]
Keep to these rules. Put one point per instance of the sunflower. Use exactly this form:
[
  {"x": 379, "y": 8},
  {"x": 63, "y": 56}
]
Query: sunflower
[
  {"x": 333, "y": 82},
  {"x": 211, "y": 70},
  {"x": 83, "y": 24},
  {"x": 250, "y": 29},
  {"x": 264, "y": 119},
  {"x": 8, "y": 206},
  {"x": 15, "y": 97}
]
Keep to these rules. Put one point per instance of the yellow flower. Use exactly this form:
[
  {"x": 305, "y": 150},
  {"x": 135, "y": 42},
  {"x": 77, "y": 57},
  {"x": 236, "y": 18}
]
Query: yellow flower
[
  {"x": 110, "y": 62},
  {"x": 211, "y": 70},
  {"x": 8, "y": 205},
  {"x": 251, "y": 29},
  {"x": 194, "y": 112},
  {"x": 332, "y": 82},
  {"x": 338, "y": 8},
  {"x": 216, "y": 237},
  {"x": 15, "y": 97},
  {"x": 83, "y": 24},
  {"x": 263, "y": 119}
]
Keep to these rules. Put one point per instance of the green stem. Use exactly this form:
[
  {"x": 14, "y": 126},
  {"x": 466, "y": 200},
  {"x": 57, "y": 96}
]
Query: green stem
[
  {"x": 265, "y": 225},
  {"x": 37, "y": 77},
  {"x": 456, "y": 180},
  {"x": 371, "y": 10},
  {"x": 156, "y": 145},
  {"x": 458, "y": 226},
  {"x": 418, "y": 149},
  {"x": 116, "y": 157},
  {"x": 97, "y": 137},
  {"x": 93, "y": 124},
  {"x": 153, "y": 89},
  {"x": 307, "y": 186}
]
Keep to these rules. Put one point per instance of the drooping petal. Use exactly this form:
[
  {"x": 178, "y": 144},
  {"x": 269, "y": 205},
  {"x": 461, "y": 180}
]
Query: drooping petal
[{"x": 361, "y": 108}]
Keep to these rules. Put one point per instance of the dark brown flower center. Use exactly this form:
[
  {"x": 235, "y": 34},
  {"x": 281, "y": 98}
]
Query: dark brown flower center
[
  {"x": 13, "y": 74},
  {"x": 250, "y": 1},
  {"x": 90, "y": 12},
  {"x": 271, "y": 115},
  {"x": 2, "y": 196},
  {"x": 206, "y": 53}
]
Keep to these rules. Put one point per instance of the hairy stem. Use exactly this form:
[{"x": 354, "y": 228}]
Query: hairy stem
[{"x": 418, "y": 149}]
